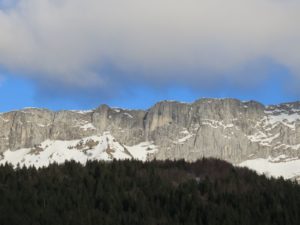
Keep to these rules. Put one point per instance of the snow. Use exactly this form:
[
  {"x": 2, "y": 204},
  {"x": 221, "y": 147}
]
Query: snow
[
  {"x": 184, "y": 131},
  {"x": 184, "y": 139},
  {"x": 210, "y": 124},
  {"x": 5, "y": 120},
  {"x": 271, "y": 121},
  {"x": 227, "y": 136},
  {"x": 141, "y": 151},
  {"x": 228, "y": 125},
  {"x": 262, "y": 138},
  {"x": 88, "y": 126},
  {"x": 283, "y": 118},
  {"x": 216, "y": 124},
  {"x": 282, "y": 158},
  {"x": 175, "y": 101},
  {"x": 103, "y": 147},
  {"x": 25, "y": 112},
  {"x": 16, "y": 156},
  {"x": 274, "y": 167},
  {"x": 82, "y": 111},
  {"x": 129, "y": 115},
  {"x": 286, "y": 146},
  {"x": 43, "y": 125}
]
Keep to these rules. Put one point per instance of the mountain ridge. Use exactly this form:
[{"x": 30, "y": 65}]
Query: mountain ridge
[
  {"x": 229, "y": 129},
  {"x": 146, "y": 109}
]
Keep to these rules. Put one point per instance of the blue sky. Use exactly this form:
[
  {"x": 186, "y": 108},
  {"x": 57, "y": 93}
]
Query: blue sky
[
  {"x": 73, "y": 54},
  {"x": 17, "y": 92}
]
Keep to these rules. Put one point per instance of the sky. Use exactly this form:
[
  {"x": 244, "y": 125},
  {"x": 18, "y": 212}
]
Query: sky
[{"x": 73, "y": 54}]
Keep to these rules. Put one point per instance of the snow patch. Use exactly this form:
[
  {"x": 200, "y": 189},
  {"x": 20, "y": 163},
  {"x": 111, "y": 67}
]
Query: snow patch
[
  {"x": 82, "y": 111},
  {"x": 288, "y": 120},
  {"x": 117, "y": 110},
  {"x": 184, "y": 132},
  {"x": 88, "y": 126},
  {"x": 286, "y": 169},
  {"x": 142, "y": 150},
  {"x": 4, "y": 120},
  {"x": 262, "y": 138},
  {"x": 184, "y": 139},
  {"x": 216, "y": 124},
  {"x": 127, "y": 114},
  {"x": 286, "y": 146}
]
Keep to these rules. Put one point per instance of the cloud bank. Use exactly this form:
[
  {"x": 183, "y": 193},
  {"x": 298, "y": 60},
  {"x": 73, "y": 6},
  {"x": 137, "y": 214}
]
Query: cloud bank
[{"x": 102, "y": 44}]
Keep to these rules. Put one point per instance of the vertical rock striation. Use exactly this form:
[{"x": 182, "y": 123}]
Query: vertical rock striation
[{"x": 224, "y": 128}]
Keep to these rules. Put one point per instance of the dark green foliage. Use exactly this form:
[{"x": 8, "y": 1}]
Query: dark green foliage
[{"x": 208, "y": 191}]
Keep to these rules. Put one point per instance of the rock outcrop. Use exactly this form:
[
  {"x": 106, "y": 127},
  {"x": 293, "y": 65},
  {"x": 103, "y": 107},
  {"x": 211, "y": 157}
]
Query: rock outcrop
[{"x": 224, "y": 128}]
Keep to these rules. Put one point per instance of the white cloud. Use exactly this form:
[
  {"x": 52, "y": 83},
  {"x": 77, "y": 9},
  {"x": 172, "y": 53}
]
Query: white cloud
[{"x": 73, "y": 41}]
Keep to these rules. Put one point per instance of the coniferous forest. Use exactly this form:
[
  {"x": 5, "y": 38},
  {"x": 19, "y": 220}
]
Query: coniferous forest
[{"x": 208, "y": 191}]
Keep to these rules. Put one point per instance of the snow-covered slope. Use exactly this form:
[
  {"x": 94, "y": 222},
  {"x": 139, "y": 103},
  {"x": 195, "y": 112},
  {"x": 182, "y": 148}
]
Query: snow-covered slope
[
  {"x": 282, "y": 166},
  {"x": 97, "y": 147}
]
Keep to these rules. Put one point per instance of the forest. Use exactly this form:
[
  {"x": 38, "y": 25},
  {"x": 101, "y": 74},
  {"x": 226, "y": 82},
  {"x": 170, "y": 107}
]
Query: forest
[{"x": 208, "y": 191}]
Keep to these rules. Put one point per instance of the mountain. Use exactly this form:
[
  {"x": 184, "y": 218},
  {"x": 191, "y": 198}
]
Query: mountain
[{"x": 264, "y": 138}]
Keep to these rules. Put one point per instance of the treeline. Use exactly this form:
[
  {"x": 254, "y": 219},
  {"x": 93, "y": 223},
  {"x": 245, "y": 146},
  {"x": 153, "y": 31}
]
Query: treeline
[{"x": 208, "y": 191}]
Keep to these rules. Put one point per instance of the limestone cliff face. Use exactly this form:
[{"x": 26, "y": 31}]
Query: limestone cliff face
[{"x": 223, "y": 128}]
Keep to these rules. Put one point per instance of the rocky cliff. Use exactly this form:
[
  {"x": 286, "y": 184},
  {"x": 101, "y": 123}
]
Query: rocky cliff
[{"x": 224, "y": 128}]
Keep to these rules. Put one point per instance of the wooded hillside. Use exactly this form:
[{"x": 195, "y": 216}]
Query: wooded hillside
[{"x": 208, "y": 191}]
